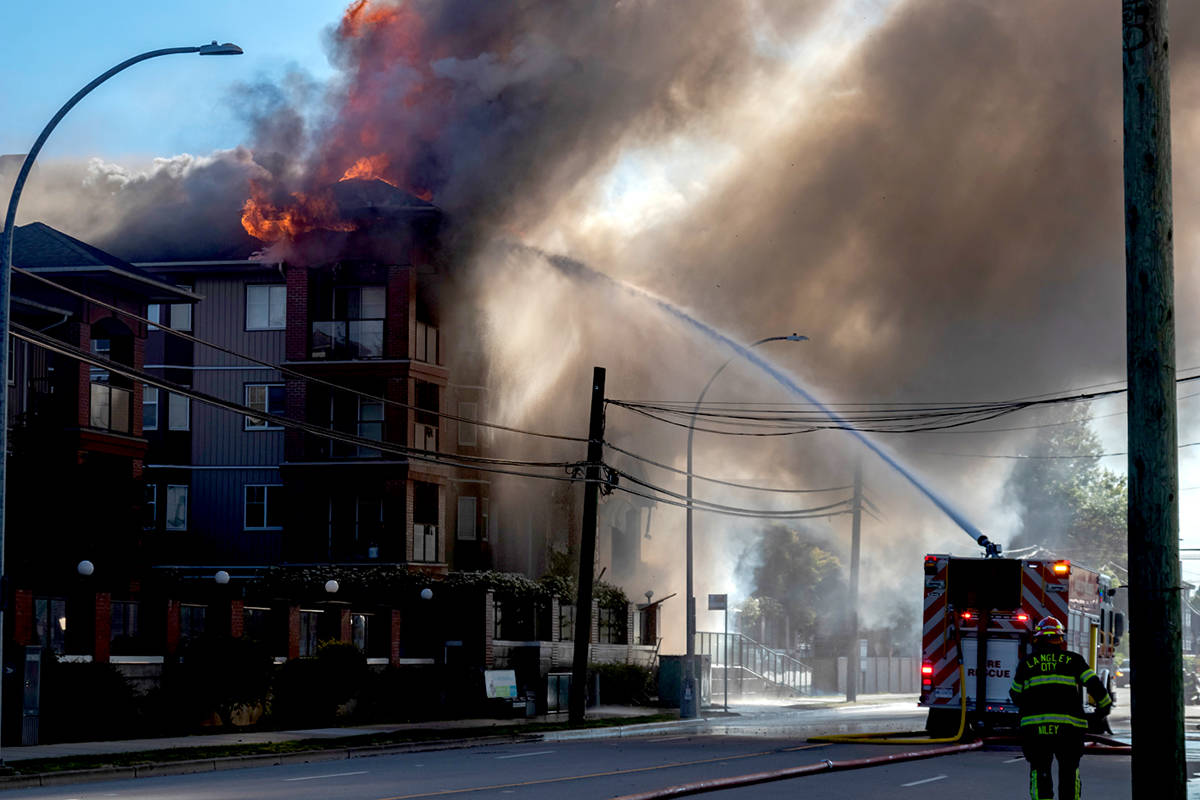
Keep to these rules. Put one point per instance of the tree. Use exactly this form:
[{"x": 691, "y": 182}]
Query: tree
[
  {"x": 799, "y": 590},
  {"x": 1069, "y": 503}
]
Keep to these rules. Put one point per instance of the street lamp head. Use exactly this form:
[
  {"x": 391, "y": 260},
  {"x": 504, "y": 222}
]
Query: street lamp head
[
  {"x": 85, "y": 568},
  {"x": 427, "y": 593},
  {"x": 221, "y": 577},
  {"x": 331, "y": 586},
  {"x": 214, "y": 49}
]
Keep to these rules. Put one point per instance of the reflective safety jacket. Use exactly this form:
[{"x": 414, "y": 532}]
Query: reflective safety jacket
[{"x": 1046, "y": 689}]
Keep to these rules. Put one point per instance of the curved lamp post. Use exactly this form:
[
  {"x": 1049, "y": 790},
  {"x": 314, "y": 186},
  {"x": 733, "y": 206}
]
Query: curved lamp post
[
  {"x": 6, "y": 248},
  {"x": 690, "y": 702}
]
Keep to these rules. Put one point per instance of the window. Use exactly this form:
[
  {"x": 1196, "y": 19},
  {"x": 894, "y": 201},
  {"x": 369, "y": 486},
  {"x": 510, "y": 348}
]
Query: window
[
  {"x": 467, "y": 431},
  {"x": 177, "y": 508},
  {"x": 124, "y": 619},
  {"x": 309, "y": 622},
  {"x": 109, "y": 408},
  {"x": 256, "y": 625},
  {"x": 268, "y": 398},
  {"x": 176, "y": 315},
  {"x": 263, "y": 507},
  {"x": 425, "y": 521},
  {"x": 425, "y": 348},
  {"x": 266, "y": 308},
  {"x": 466, "y": 519},
  {"x": 368, "y": 522},
  {"x": 50, "y": 623},
  {"x": 150, "y": 508},
  {"x": 191, "y": 621},
  {"x": 149, "y": 408},
  {"x": 566, "y": 622},
  {"x": 178, "y": 412},
  {"x": 485, "y": 519},
  {"x": 356, "y": 327},
  {"x": 370, "y": 423},
  {"x": 358, "y": 631}
]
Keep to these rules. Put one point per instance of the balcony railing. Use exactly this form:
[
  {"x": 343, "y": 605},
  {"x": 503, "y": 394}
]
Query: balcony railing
[{"x": 347, "y": 339}]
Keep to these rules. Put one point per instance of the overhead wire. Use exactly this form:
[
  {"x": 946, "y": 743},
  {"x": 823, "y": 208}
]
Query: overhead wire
[
  {"x": 734, "y": 484},
  {"x": 283, "y": 369}
]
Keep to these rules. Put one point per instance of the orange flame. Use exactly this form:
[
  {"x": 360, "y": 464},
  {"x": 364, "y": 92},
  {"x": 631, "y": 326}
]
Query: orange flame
[
  {"x": 369, "y": 168},
  {"x": 267, "y": 222}
]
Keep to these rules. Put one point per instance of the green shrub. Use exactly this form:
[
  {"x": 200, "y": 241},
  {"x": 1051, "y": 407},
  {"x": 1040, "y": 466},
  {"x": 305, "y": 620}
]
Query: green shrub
[{"x": 313, "y": 690}]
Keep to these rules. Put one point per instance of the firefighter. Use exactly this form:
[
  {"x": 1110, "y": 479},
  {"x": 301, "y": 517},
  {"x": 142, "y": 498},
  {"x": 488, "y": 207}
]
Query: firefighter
[{"x": 1046, "y": 689}]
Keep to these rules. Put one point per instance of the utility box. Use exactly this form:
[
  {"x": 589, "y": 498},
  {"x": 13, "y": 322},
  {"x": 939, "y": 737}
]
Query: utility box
[
  {"x": 31, "y": 694},
  {"x": 670, "y": 680}
]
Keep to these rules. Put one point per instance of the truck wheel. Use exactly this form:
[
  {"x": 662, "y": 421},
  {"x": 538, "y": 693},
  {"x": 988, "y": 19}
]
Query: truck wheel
[{"x": 942, "y": 722}]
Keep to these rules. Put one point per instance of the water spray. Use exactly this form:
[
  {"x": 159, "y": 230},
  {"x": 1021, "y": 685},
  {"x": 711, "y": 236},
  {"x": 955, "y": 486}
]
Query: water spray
[{"x": 579, "y": 270}]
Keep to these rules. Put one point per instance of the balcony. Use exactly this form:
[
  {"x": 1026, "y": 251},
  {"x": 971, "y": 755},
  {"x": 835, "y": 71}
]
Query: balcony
[{"x": 347, "y": 340}]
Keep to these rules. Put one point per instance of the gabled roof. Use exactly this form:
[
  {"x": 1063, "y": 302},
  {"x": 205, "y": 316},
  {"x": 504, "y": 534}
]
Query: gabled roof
[
  {"x": 358, "y": 197},
  {"x": 41, "y": 249}
]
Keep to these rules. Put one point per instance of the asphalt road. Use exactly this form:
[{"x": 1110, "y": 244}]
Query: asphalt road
[{"x": 598, "y": 769}]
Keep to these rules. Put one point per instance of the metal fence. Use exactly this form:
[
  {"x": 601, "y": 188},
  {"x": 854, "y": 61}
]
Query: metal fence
[{"x": 745, "y": 660}]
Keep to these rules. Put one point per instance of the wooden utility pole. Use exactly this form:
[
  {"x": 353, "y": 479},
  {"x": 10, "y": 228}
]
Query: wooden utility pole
[
  {"x": 1159, "y": 766},
  {"x": 577, "y": 702},
  {"x": 852, "y": 665}
]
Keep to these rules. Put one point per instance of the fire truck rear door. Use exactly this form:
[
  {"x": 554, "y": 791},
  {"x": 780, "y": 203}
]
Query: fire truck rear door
[{"x": 1002, "y": 658}]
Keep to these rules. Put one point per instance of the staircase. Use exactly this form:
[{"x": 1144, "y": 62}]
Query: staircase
[{"x": 752, "y": 668}]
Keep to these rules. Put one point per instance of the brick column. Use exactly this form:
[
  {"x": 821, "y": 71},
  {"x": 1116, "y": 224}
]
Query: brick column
[
  {"x": 237, "y": 618},
  {"x": 22, "y": 617},
  {"x": 344, "y": 632},
  {"x": 394, "y": 651},
  {"x": 594, "y": 633},
  {"x": 555, "y": 619},
  {"x": 102, "y": 631},
  {"x": 293, "y": 632},
  {"x": 172, "y": 627}
]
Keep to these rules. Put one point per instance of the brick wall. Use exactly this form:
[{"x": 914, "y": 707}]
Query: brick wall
[
  {"x": 23, "y": 617},
  {"x": 103, "y": 628},
  {"x": 293, "y": 631},
  {"x": 172, "y": 632},
  {"x": 489, "y": 628},
  {"x": 394, "y": 641},
  {"x": 297, "y": 313}
]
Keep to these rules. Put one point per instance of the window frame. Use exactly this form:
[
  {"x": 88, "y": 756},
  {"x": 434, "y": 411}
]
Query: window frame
[
  {"x": 468, "y": 410},
  {"x": 186, "y": 510},
  {"x": 246, "y": 306},
  {"x": 152, "y": 503},
  {"x": 146, "y": 390},
  {"x": 266, "y": 504},
  {"x": 249, "y": 423},
  {"x": 471, "y": 535},
  {"x": 172, "y": 425}
]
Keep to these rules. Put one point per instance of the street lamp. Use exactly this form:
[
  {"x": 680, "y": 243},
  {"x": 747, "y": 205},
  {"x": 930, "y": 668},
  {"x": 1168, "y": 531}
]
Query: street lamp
[
  {"x": 690, "y": 701},
  {"x": 6, "y": 252},
  {"x": 85, "y": 568},
  {"x": 221, "y": 577}
]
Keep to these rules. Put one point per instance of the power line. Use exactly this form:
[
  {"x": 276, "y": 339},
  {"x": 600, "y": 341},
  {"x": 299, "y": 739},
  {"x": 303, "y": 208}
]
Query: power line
[
  {"x": 697, "y": 503},
  {"x": 284, "y": 369},
  {"x": 678, "y": 471},
  {"x": 480, "y": 463}
]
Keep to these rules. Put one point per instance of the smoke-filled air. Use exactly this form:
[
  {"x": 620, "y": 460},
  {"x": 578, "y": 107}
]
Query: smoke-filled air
[{"x": 931, "y": 191}]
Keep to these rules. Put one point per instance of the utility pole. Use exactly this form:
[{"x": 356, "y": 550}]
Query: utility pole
[
  {"x": 577, "y": 703},
  {"x": 852, "y": 665},
  {"x": 1159, "y": 766}
]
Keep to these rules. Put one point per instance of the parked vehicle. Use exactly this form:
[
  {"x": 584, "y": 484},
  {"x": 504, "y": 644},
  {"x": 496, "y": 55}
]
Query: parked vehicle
[{"x": 1121, "y": 676}]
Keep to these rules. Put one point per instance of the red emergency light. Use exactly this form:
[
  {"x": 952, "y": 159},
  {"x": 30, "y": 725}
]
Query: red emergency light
[
  {"x": 967, "y": 615},
  {"x": 1062, "y": 567},
  {"x": 926, "y": 669},
  {"x": 1022, "y": 617}
]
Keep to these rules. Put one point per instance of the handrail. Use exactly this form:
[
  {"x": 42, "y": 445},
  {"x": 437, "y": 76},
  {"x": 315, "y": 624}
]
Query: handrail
[{"x": 771, "y": 665}]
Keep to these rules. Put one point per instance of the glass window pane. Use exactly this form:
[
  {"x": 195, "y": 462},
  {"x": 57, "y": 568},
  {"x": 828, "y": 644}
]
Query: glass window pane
[
  {"x": 276, "y": 400},
  {"x": 466, "y": 518},
  {"x": 149, "y": 408},
  {"x": 181, "y": 317},
  {"x": 177, "y": 511},
  {"x": 257, "y": 307},
  {"x": 99, "y": 414},
  {"x": 120, "y": 400},
  {"x": 277, "y": 316},
  {"x": 274, "y": 496},
  {"x": 177, "y": 412},
  {"x": 373, "y": 302}
]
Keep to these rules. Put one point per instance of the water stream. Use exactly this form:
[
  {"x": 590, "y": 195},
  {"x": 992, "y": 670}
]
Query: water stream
[{"x": 581, "y": 271}]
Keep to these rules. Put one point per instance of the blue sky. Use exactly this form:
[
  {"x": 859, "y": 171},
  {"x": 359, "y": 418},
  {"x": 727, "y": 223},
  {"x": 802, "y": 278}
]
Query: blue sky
[{"x": 157, "y": 108}]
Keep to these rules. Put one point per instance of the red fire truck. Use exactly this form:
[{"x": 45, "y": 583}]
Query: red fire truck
[{"x": 980, "y": 613}]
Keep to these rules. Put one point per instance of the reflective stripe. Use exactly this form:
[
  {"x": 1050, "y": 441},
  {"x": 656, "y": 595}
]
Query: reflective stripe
[
  {"x": 1087, "y": 675},
  {"x": 1107, "y": 701},
  {"x": 1043, "y": 680},
  {"x": 1062, "y": 719}
]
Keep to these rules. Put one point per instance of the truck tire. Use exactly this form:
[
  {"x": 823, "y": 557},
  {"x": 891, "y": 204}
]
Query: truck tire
[{"x": 942, "y": 722}]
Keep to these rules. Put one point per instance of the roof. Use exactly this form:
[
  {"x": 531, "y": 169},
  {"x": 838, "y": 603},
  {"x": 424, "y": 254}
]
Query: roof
[
  {"x": 41, "y": 249},
  {"x": 357, "y": 197}
]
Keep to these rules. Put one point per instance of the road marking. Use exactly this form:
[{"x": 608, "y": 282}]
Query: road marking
[
  {"x": 331, "y": 775},
  {"x": 526, "y": 755},
  {"x": 927, "y": 780},
  {"x": 803, "y": 747},
  {"x": 668, "y": 738},
  {"x": 493, "y": 787},
  {"x": 1015, "y": 760}
]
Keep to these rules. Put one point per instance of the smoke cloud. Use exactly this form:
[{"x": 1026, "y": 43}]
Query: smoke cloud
[{"x": 930, "y": 189}]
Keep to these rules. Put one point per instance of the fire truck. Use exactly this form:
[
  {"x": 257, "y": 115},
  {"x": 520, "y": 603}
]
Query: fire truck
[{"x": 980, "y": 613}]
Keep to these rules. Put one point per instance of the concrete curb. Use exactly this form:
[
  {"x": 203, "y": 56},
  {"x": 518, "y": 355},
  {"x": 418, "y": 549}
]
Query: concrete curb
[
  {"x": 621, "y": 731},
  {"x": 152, "y": 769}
]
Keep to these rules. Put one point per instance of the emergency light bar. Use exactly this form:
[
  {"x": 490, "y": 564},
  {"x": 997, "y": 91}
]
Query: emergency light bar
[{"x": 1062, "y": 567}]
